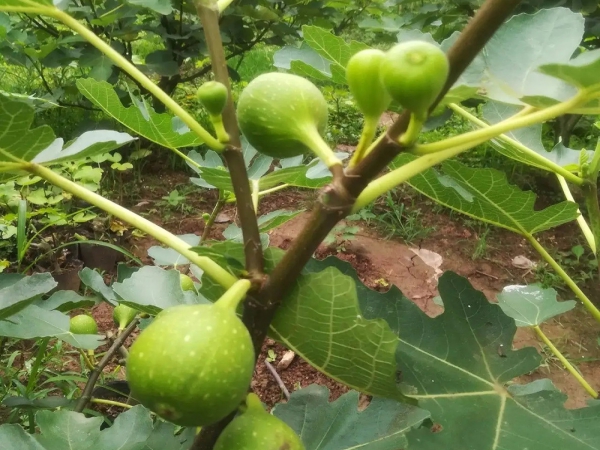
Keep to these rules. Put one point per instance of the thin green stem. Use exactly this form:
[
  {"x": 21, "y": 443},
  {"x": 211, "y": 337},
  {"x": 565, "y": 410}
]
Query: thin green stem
[
  {"x": 212, "y": 269},
  {"x": 86, "y": 395},
  {"x": 565, "y": 362},
  {"x": 102, "y": 401},
  {"x": 585, "y": 228},
  {"x": 213, "y": 216},
  {"x": 137, "y": 75},
  {"x": 274, "y": 189},
  {"x": 509, "y": 124},
  {"x": 255, "y": 190},
  {"x": 565, "y": 277},
  {"x": 366, "y": 138},
  {"x": 392, "y": 179},
  {"x": 544, "y": 162}
]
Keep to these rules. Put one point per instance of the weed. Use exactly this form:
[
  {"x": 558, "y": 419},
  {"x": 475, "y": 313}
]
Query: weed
[{"x": 400, "y": 222}]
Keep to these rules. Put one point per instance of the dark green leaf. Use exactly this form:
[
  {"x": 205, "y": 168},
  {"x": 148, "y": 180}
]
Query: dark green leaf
[
  {"x": 16, "y": 296},
  {"x": 339, "y": 425},
  {"x": 95, "y": 282}
]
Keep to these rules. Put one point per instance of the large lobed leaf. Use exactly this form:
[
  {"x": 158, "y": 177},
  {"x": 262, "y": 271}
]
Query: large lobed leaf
[
  {"x": 132, "y": 430},
  {"x": 339, "y": 425},
  {"x": 140, "y": 118},
  {"x": 486, "y": 195},
  {"x": 39, "y": 145}
]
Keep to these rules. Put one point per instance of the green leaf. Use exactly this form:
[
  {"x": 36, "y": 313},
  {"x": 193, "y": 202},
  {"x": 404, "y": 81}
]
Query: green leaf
[
  {"x": 163, "y": 437},
  {"x": 20, "y": 293},
  {"x": 321, "y": 321},
  {"x": 266, "y": 223},
  {"x": 129, "y": 431},
  {"x": 94, "y": 281},
  {"x": 168, "y": 257},
  {"x": 89, "y": 143},
  {"x": 294, "y": 176},
  {"x": 162, "y": 63},
  {"x": 16, "y": 135},
  {"x": 581, "y": 71},
  {"x": 521, "y": 45},
  {"x": 485, "y": 194},
  {"x": 16, "y": 438},
  {"x": 35, "y": 322},
  {"x": 63, "y": 429},
  {"x": 65, "y": 301},
  {"x": 340, "y": 426},
  {"x": 529, "y": 417},
  {"x": 532, "y": 305},
  {"x": 151, "y": 289},
  {"x": 333, "y": 49},
  {"x": 66, "y": 429},
  {"x": 160, "y": 6},
  {"x": 140, "y": 119}
]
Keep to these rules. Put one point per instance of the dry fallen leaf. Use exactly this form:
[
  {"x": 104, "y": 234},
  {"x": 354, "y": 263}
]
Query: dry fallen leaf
[
  {"x": 522, "y": 262},
  {"x": 286, "y": 360},
  {"x": 432, "y": 259}
]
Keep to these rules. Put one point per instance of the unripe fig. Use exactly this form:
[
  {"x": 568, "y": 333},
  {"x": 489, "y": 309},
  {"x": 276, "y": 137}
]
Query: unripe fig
[
  {"x": 256, "y": 429},
  {"x": 364, "y": 80},
  {"x": 187, "y": 284},
  {"x": 213, "y": 96},
  {"x": 414, "y": 74},
  {"x": 193, "y": 364},
  {"x": 123, "y": 315},
  {"x": 83, "y": 324},
  {"x": 283, "y": 115}
]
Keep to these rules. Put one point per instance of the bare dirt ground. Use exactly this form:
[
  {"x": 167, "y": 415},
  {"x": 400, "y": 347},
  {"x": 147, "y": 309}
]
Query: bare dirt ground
[{"x": 380, "y": 263}]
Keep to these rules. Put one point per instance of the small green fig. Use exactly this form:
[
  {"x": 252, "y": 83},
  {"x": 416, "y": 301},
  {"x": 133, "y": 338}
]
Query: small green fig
[
  {"x": 193, "y": 364},
  {"x": 283, "y": 115},
  {"x": 123, "y": 315},
  {"x": 363, "y": 74},
  {"x": 414, "y": 73},
  {"x": 256, "y": 429},
  {"x": 213, "y": 96},
  {"x": 83, "y": 324},
  {"x": 187, "y": 284}
]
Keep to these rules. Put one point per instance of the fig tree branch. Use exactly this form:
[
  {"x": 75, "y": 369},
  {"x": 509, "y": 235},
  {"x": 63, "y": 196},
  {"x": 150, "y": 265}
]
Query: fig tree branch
[
  {"x": 209, "y": 16},
  {"x": 86, "y": 395}
]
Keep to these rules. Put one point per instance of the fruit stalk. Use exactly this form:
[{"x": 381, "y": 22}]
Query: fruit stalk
[
  {"x": 211, "y": 268},
  {"x": 234, "y": 295},
  {"x": 86, "y": 395},
  {"x": 209, "y": 18},
  {"x": 368, "y": 134}
]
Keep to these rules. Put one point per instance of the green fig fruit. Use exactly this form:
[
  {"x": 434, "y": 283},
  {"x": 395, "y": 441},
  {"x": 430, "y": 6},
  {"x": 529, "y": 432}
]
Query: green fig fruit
[
  {"x": 256, "y": 429},
  {"x": 193, "y": 364},
  {"x": 283, "y": 115},
  {"x": 213, "y": 96},
  {"x": 363, "y": 74},
  {"x": 83, "y": 324},
  {"x": 123, "y": 315},
  {"x": 187, "y": 284},
  {"x": 414, "y": 73}
]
